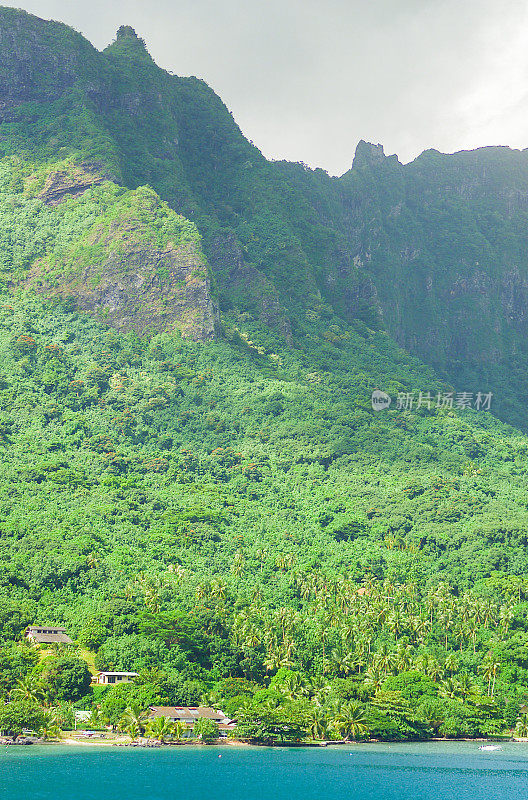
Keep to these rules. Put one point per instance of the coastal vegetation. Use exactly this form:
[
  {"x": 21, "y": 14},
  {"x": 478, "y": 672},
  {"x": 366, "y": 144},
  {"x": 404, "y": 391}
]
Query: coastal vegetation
[{"x": 382, "y": 661}]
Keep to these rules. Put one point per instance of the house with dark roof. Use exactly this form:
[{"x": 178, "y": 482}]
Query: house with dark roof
[
  {"x": 190, "y": 714},
  {"x": 47, "y": 634}
]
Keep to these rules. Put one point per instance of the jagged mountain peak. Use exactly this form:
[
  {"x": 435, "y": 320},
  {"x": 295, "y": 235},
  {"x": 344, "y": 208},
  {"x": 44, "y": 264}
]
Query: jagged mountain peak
[
  {"x": 127, "y": 42},
  {"x": 127, "y": 32},
  {"x": 368, "y": 153}
]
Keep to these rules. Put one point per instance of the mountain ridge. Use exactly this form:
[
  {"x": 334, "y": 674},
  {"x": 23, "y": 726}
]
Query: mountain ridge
[{"x": 433, "y": 250}]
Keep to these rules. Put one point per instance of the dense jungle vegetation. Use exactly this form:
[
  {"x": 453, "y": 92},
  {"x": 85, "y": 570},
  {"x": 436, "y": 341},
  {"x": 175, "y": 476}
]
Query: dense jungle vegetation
[
  {"x": 232, "y": 520},
  {"x": 252, "y": 534}
]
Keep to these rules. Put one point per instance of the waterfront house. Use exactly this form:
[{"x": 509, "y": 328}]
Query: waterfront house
[
  {"x": 190, "y": 714},
  {"x": 47, "y": 634}
]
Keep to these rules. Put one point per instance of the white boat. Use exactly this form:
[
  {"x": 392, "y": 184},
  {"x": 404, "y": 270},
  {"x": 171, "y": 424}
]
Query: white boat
[{"x": 490, "y": 747}]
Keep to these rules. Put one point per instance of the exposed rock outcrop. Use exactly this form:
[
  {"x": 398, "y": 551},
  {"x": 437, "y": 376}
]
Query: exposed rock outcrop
[
  {"x": 36, "y": 64},
  {"x": 368, "y": 154},
  {"x": 62, "y": 184},
  {"x": 132, "y": 283}
]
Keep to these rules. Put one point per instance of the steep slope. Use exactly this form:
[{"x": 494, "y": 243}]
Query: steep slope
[
  {"x": 132, "y": 261},
  {"x": 122, "y": 255},
  {"x": 140, "y": 126},
  {"x": 273, "y": 421},
  {"x": 434, "y": 251},
  {"x": 145, "y": 455},
  {"x": 443, "y": 239}
]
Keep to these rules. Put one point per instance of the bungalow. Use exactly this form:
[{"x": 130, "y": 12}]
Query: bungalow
[
  {"x": 106, "y": 678},
  {"x": 189, "y": 714},
  {"x": 47, "y": 634}
]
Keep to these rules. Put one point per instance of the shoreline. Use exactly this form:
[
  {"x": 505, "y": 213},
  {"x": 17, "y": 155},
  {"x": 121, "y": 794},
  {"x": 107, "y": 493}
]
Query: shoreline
[{"x": 150, "y": 744}]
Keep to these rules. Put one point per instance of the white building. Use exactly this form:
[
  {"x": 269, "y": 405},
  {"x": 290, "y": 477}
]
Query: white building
[{"x": 110, "y": 678}]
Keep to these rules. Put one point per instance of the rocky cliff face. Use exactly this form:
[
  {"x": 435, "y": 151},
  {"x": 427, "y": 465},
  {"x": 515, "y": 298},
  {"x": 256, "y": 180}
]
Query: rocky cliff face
[
  {"x": 63, "y": 184},
  {"x": 136, "y": 264},
  {"x": 243, "y": 284},
  {"x": 147, "y": 290},
  {"x": 40, "y": 61},
  {"x": 441, "y": 246},
  {"x": 443, "y": 240}
]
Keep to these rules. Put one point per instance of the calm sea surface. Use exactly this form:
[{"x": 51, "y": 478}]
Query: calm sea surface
[{"x": 435, "y": 771}]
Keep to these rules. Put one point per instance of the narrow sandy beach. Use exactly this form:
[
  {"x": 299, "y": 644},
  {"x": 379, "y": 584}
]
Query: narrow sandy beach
[{"x": 68, "y": 740}]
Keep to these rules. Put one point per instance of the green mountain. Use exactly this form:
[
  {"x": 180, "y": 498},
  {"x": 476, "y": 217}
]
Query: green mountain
[
  {"x": 193, "y": 477},
  {"x": 433, "y": 251}
]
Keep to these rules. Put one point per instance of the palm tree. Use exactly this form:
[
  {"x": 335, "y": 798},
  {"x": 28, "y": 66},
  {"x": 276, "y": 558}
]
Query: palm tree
[
  {"x": 451, "y": 663},
  {"x": 97, "y": 718},
  {"x": 472, "y": 628},
  {"x": 343, "y": 662},
  {"x": 318, "y": 723},
  {"x": 490, "y": 668},
  {"x": 133, "y": 721},
  {"x": 28, "y": 689},
  {"x": 449, "y": 688},
  {"x": 151, "y": 595},
  {"x": 421, "y": 626},
  {"x": 384, "y": 660},
  {"x": 133, "y": 730},
  {"x": 178, "y": 729},
  {"x": 521, "y": 729},
  {"x": 238, "y": 564},
  {"x": 178, "y": 572},
  {"x": 218, "y": 591},
  {"x": 505, "y": 619},
  {"x": 201, "y": 592},
  {"x": 261, "y": 556},
  {"x": 445, "y": 619},
  {"x": 395, "y": 623},
  {"x": 50, "y": 728},
  {"x": 435, "y": 670},
  {"x": 357, "y": 661},
  {"x": 160, "y": 728},
  {"x": 374, "y": 678},
  {"x": 350, "y": 721},
  {"x": 293, "y": 686},
  {"x": 273, "y": 656},
  {"x": 465, "y": 685},
  {"x": 403, "y": 657},
  {"x": 321, "y": 691}
]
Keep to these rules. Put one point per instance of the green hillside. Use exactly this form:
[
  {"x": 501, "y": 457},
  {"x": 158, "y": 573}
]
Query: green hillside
[
  {"x": 434, "y": 251},
  {"x": 193, "y": 479}
]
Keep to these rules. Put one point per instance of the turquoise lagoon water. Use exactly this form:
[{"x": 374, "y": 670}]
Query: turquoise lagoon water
[{"x": 432, "y": 771}]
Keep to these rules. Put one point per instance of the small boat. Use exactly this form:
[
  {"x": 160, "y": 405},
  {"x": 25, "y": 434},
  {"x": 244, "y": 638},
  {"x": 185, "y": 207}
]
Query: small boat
[{"x": 490, "y": 747}]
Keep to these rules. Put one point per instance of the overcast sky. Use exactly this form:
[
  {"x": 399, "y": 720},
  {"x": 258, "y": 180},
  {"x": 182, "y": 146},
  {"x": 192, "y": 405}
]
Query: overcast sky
[{"x": 307, "y": 79}]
